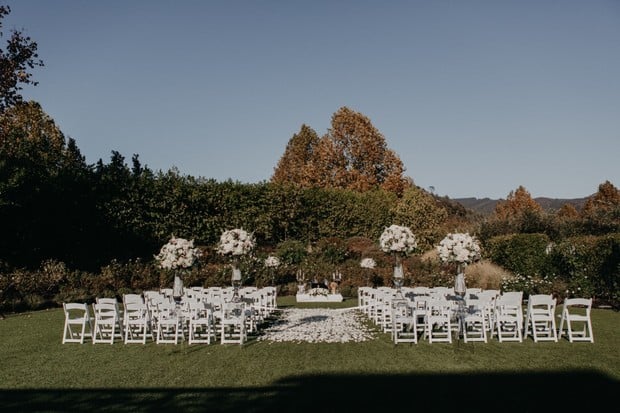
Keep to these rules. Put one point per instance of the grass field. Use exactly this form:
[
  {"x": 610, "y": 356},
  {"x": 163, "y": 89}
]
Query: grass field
[{"x": 38, "y": 373}]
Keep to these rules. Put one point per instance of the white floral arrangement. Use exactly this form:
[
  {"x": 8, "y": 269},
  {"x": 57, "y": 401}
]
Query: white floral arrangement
[
  {"x": 396, "y": 238},
  {"x": 368, "y": 263},
  {"x": 460, "y": 248},
  {"x": 272, "y": 261},
  {"x": 235, "y": 242},
  {"x": 315, "y": 292},
  {"x": 177, "y": 253}
]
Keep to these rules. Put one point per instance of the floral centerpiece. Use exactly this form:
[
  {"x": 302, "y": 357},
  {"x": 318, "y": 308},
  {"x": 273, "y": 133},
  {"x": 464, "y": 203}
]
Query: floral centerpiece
[
  {"x": 368, "y": 264},
  {"x": 461, "y": 249},
  {"x": 177, "y": 254},
  {"x": 236, "y": 243},
  {"x": 399, "y": 241},
  {"x": 272, "y": 262}
]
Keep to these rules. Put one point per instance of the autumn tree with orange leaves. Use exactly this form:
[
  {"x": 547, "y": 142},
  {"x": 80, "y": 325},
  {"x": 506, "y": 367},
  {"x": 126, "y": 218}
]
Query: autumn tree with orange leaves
[
  {"x": 296, "y": 163},
  {"x": 352, "y": 155},
  {"x": 517, "y": 204},
  {"x": 601, "y": 213}
]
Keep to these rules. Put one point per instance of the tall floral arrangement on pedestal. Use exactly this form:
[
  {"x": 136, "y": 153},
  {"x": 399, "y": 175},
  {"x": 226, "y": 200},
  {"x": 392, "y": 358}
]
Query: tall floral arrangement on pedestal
[
  {"x": 461, "y": 249},
  {"x": 178, "y": 254},
  {"x": 399, "y": 241},
  {"x": 235, "y": 243},
  {"x": 368, "y": 264},
  {"x": 272, "y": 262}
]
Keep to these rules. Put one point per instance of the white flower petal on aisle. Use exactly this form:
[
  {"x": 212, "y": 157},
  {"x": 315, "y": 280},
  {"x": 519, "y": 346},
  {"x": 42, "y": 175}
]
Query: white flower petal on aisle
[{"x": 318, "y": 325}]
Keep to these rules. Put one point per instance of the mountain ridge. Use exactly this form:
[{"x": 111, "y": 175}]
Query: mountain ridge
[{"x": 486, "y": 206}]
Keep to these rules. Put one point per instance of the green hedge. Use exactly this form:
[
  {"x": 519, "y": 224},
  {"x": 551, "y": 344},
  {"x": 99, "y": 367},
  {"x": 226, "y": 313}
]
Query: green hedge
[
  {"x": 584, "y": 266},
  {"x": 525, "y": 254}
]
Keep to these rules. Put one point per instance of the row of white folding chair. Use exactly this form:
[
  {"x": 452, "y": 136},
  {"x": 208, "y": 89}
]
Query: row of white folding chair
[
  {"x": 437, "y": 317},
  {"x": 104, "y": 326}
]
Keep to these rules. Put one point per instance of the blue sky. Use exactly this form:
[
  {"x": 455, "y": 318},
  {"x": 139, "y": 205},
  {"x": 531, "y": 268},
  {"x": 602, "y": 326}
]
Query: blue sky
[{"x": 476, "y": 97}]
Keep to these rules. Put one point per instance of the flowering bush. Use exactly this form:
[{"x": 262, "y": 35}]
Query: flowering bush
[
  {"x": 368, "y": 263},
  {"x": 459, "y": 248},
  {"x": 177, "y": 253},
  {"x": 272, "y": 261},
  {"x": 235, "y": 242},
  {"x": 397, "y": 238}
]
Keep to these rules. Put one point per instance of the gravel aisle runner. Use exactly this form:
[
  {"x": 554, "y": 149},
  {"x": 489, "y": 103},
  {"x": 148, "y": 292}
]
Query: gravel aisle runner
[{"x": 318, "y": 325}]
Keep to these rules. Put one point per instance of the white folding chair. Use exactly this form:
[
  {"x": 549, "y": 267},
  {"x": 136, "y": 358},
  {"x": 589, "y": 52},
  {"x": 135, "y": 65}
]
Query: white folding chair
[
  {"x": 136, "y": 322},
  {"x": 78, "y": 324},
  {"x": 232, "y": 324},
  {"x": 200, "y": 326},
  {"x": 119, "y": 311},
  {"x": 540, "y": 318},
  {"x": 107, "y": 323},
  {"x": 507, "y": 317},
  {"x": 404, "y": 322},
  {"x": 168, "y": 324},
  {"x": 576, "y": 316},
  {"x": 438, "y": 321},
  {"x": 474, "y": 320}
]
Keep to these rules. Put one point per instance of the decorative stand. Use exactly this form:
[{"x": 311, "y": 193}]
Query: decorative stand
[
  {"x": 236, "y": 282},
  {"x": 459, "y": 282},
  {"x": 398, "y": 276}
]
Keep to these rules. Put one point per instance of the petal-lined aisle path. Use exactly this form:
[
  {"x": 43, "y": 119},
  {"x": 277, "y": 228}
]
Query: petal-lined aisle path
[{"x": 318, "y": 325}]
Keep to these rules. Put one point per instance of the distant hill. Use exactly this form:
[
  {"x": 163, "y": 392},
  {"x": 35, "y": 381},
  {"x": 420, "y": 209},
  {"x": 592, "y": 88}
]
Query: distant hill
[{"x": 486, "y": 206}]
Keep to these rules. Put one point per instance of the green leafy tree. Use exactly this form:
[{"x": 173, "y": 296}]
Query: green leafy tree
[
  {"x": 419, "y": 211},
  {"x": 45, "y": 190},
  {"x": 16, "y": 59}
]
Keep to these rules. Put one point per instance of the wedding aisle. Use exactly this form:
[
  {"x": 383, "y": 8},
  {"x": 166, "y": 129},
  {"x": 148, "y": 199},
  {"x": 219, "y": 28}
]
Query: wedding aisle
[{"x": 318, "y": 325}]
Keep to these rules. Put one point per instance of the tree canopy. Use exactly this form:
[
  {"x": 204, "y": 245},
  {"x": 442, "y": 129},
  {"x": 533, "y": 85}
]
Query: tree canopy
[
  {"x": 352, "y": 155},
  {"x": 19, "y": 56},
  {"x": 519, "y": 202}
]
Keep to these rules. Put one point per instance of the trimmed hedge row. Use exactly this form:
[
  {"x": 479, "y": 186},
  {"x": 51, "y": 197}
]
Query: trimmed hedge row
[{"x": 587, "y": 266}]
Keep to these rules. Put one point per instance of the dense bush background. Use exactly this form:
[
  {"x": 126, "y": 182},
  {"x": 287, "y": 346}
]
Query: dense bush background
[{"x": 73, "y": 231}]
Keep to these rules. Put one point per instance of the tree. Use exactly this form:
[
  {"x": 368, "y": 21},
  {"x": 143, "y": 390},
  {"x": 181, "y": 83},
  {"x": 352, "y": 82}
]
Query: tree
[
  {"x": 601, "y": 212},
  {"x": 516, "y": 205},
  {"x": 419, "y": 211},
  {"x": 607, "y": 198},
  {"x": 352, "y": 155},
  {"x": 20, "y": 56},
  {"x": 45, "y": 190},
  {"x": 365, "y": 160},
  {"x": 297, "y": 159}
]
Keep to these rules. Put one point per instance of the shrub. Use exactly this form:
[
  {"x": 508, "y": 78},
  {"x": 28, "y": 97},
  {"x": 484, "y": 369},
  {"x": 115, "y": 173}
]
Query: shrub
[
  {"x": 590, "y": 266},
  {"x": 521, "y": 253},
  {"x": 291, "y": 252}
]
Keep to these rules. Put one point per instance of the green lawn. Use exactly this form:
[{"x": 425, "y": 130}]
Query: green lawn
[{"x": 38, "y": 373}]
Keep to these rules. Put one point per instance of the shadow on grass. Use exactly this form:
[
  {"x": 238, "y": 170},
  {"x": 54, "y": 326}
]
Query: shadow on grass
[{"x": 494, "y": 392}]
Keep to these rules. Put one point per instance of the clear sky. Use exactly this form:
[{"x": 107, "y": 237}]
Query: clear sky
[{"x": 476, "y": 97}]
